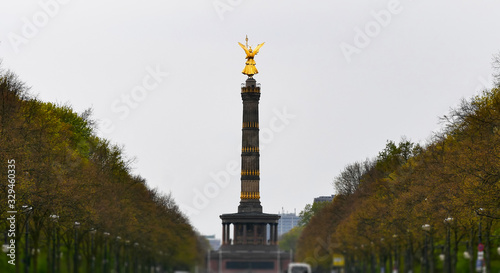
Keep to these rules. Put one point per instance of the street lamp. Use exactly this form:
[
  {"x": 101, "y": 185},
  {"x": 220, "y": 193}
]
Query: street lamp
[
  {"x": 396, "y": 258},
  {"x": 92, "y": 249},
  {"x": 442, "y": 257},
  {"x": 136, "y": 246},
  {"x": 373, "y": 257},
  {"x": 54, "y": 218},
  {"x": 5, "y": 246},
  {"x": 126, "y": 255},
  {"x": 382, "y": 256},
  {"x": 27, "y": 210},
  {"x": 117, "y": 262},
  {"x": 447, "y": 258},
  {"x": 159, "y": 264},
  {"x": 105, "y": 257},
  {"x": 480, "y": 263},
  {"x": 75, "y": 258},
  {"x": 426, "y": 228}
]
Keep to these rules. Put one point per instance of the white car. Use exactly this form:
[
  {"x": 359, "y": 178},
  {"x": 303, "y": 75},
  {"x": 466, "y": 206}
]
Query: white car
[{"x": 299, "y": 268}]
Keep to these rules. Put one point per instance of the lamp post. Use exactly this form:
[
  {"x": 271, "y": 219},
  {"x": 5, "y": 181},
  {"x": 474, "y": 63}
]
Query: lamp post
[
  {"x": 75, "y": 258},
  {"x": 468, "y": 257},
  {"x": 92, "y": 249},
  {"x": 373, "y": 258},
  {"x": 466, "y": 252},
  {"x": 409, "y": 253},
  {"x": 54, "y": 219},
  {"x": 382, "y": 256},
  {"x": 159, "y": 264},
  {"x": 425, "y": 265},
  {"x": 126, "y": 254},
  {"x": 117, "y": 260},
  {"x": 27, "y": 257},
  {"x": 105, "y": 257},
  {"x": 396, "y": 258},
  {"x": 447, "y": 258},
  {"x": 5, "y": 246},
  {"x": 136, "y": 246},
  {"x": 480, "y": 263}
]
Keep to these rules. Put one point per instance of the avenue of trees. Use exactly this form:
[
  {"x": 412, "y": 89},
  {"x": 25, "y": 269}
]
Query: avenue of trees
[
  {"x": 418, "y": 209},
  {"x": 78, "y": 207}
]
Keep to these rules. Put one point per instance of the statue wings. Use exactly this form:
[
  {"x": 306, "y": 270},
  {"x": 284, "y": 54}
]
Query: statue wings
[
  {"x": 255, "y": 51},
  {"x": 244, "y": 48}
]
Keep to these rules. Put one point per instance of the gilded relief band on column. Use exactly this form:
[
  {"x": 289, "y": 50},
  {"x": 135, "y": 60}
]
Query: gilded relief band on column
[{"x": 250, "y": 149}]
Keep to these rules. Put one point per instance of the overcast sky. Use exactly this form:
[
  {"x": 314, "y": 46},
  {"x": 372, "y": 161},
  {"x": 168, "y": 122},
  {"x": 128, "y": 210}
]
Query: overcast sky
[{"x": 339, "y": 79}]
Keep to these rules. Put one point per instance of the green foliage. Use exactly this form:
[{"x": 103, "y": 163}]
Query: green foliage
[
  {"x": 384, "y": 203},
  {"x": 351, "y": 179},
  {"x": 63, "y": 168},
  {"x": 395, "y": 155},
  {"x": 288, "y": 241},
  {"x": 309, "y": 211},
  {"x": 81, "y": 126}
]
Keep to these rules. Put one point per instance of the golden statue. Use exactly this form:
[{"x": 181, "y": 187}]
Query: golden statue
[{"x": 250, "y": 68}]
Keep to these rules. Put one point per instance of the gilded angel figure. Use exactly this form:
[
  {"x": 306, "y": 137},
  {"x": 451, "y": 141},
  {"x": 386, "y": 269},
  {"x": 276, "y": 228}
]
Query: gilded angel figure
[{"x": 250, "y": 68}]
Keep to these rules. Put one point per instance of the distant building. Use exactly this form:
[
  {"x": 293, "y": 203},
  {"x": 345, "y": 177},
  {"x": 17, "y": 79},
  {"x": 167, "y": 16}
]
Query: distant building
[
  {"x": 214, "y": 242},
  {"x": 320, "y": 199},
  {"x": 287, "y": 222}
]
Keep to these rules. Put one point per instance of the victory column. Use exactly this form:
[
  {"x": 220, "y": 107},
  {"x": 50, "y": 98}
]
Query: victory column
[{"x": 253, "y": 246}]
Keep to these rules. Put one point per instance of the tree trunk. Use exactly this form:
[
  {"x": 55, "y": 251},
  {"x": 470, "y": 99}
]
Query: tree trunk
[
  {"x": 431, "y": 254},
  {"x": 454, "y": 256},
  {"x": 487, "y": 246},
  {"x": 68, "y": 258}
]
